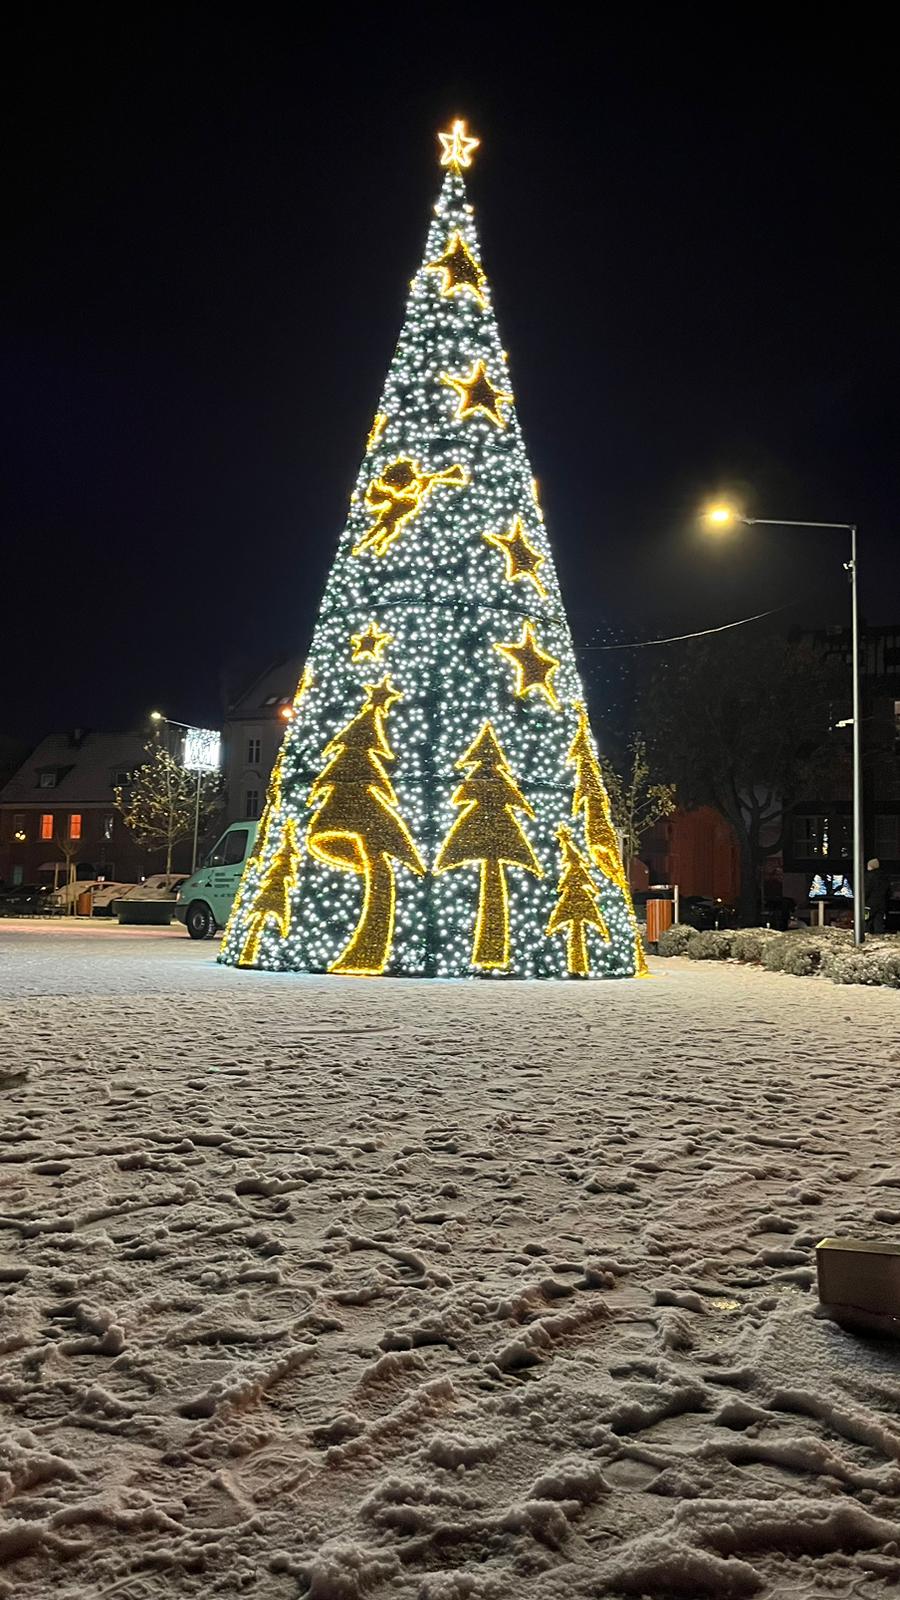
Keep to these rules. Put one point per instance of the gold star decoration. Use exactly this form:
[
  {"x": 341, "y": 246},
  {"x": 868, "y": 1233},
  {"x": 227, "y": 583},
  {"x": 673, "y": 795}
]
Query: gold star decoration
[
  {"x": 457, "y": 146},
  {"x": 381, "y": 696},
  {"x": 376, "y": 430},
  {"x": 522, "y": 560},
  {"x": 478, "y": 395},
  {"x": 460, "y": 270},
  {"x": 368, "y": 645},
  {"x": 534, "y": 670}
]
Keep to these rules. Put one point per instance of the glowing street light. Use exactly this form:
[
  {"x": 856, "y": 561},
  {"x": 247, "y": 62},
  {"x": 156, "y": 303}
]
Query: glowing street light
[{"x": 722, "y": 516}]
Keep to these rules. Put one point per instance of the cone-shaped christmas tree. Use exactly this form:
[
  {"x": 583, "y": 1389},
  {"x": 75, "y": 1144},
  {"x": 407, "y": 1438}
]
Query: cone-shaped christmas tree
[{"x": 444, "y": 589}]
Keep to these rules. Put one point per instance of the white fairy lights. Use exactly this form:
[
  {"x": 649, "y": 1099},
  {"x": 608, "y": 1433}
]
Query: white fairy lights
[{"x": 444, "y": 600}]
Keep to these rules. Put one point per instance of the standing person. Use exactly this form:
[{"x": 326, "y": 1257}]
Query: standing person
[{"x": 876, "y": 895}]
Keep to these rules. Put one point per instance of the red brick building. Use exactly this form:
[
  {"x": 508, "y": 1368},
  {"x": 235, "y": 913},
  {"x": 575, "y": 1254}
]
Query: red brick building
[
  {"x": 61, "y": 805},
  {"x": 697, "y": 850}
]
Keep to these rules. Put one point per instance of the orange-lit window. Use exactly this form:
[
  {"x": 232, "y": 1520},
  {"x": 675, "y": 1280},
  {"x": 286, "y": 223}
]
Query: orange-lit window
[
  {"x": 47, "y": 825},
  {"x": 75, "y": 825}
]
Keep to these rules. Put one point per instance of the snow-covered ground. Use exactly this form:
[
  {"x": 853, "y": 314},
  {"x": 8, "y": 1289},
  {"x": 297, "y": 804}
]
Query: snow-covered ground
[{"x": 442, "y": 1291}]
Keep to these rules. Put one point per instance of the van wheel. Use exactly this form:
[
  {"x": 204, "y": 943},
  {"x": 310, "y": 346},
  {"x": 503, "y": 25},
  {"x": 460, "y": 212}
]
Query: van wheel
[{"x": 200, "y": 922}]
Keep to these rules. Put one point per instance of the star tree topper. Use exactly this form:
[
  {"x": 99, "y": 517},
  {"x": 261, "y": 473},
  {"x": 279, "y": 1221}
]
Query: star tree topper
[
  {"x": 457, "y": 146},
  {"x": 533, "y": 668}
]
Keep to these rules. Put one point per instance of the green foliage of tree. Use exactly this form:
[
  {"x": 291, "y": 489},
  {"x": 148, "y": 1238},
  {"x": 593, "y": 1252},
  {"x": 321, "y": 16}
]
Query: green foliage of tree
[
  {"x": 160, "y": 802},
  {"x": 746, "y": 724},
  {"x": 637, "y": 800}
]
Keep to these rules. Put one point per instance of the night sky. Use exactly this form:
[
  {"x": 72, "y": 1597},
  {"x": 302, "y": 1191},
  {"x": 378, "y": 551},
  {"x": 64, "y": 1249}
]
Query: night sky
[{"x": 216, "y": 214}]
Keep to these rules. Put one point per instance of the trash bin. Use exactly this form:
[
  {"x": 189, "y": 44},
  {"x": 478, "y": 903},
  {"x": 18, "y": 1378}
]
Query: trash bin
[
  {"x": 660, "y": 911},
  {"x": 84, "y": 905}
]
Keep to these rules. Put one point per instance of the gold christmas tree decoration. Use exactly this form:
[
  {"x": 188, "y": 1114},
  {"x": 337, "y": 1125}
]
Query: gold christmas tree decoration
[
  {"x": 577, "y": 906},
  {"x": 590, "y": 796},
  {"x": 457, "y": 146},
  {"x": 376, "y": 430},
  {"x": 478, "y": 396},
  {"x": 272, "y": 900},
  {"x": 534, "y": 669},
  {"x": 357, "y": 827},
  {"x": 370, "y": 644},
  {"x": 522, "y": 560},
  {"x": 461, "y": 272},
  {"x": 487, "y": 833},
  {"x": 396, "y": 496}
]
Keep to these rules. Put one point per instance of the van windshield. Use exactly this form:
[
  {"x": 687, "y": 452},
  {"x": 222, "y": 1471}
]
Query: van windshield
[{"x": 230, "y": 849}]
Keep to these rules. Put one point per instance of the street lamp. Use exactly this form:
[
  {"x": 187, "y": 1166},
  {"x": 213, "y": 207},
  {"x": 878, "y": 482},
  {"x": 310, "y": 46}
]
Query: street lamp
[
  {"x": 724, "y": 516},
  {"x": 201, "y": 747}
]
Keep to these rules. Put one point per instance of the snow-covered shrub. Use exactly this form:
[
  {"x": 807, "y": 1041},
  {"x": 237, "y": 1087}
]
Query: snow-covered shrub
[
  {"x": 875, "y": 964},
  {"x": 714, "y": 944},
  {"x": 748, "y": 944},
  {"x": 799, "y": 953},
  {"x": 674, "y": 941}
]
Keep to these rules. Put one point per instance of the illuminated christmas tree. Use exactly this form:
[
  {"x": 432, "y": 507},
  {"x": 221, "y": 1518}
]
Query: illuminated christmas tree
[{"x": 441, "y": 647}]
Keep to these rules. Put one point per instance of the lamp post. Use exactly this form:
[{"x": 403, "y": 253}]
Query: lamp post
[
  {"x": 202, "y": 738},
  {"x": 724, "y": 516}
]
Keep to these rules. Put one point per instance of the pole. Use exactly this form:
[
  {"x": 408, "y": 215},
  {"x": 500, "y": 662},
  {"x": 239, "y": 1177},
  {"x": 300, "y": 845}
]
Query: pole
[
  {"x": 196, "y": 821},
  {"x": 859, "y": 892}
]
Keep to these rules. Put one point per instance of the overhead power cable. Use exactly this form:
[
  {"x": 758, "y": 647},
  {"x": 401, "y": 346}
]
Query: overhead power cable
[{"x": 678, "y": 638}]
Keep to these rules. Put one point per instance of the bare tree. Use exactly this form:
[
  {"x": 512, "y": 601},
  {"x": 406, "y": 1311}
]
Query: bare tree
[
  {"x": 637, "y": 801},
  {"x": 160, "y": 802}
]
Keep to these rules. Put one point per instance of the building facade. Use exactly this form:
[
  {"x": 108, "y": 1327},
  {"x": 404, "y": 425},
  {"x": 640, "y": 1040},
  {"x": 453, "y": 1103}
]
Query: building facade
[
  {"x": 252, "y": 735},
  {"x": 59, "y": 809},
  {"x": 819, "y": 826}
]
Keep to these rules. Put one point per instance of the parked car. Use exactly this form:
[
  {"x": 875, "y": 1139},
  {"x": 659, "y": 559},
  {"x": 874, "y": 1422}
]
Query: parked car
[
  {"x": 152, "y": 901},
  {"x": 206, "y": 897},
  {"x": 26, "y": 900},
  {"x": 159, "y": 886},
  {"x": 106, "y": 894}
]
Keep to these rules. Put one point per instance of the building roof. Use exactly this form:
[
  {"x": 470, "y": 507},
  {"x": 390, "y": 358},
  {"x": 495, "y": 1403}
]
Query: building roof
[
  {"x": 271, "y": 690},
  {"x": 85, "y": 765}
]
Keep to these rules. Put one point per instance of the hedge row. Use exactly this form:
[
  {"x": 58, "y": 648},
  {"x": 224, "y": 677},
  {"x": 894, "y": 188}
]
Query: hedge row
[{"x": 803, "y": 952}]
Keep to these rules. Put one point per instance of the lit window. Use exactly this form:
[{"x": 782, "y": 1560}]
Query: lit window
[
  {"x": 47, "y": 780},
  {"x": 816, "y": 836},
  {"x": 47, "y": 825},
  {"x": 75, "y": 825},
  {"x": 251, "y": 804},
  {"x": 253, "y": 747}
]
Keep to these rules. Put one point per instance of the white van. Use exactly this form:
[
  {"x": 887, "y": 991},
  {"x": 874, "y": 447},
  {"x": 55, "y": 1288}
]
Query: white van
[{"x": 205, "y": 898}]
